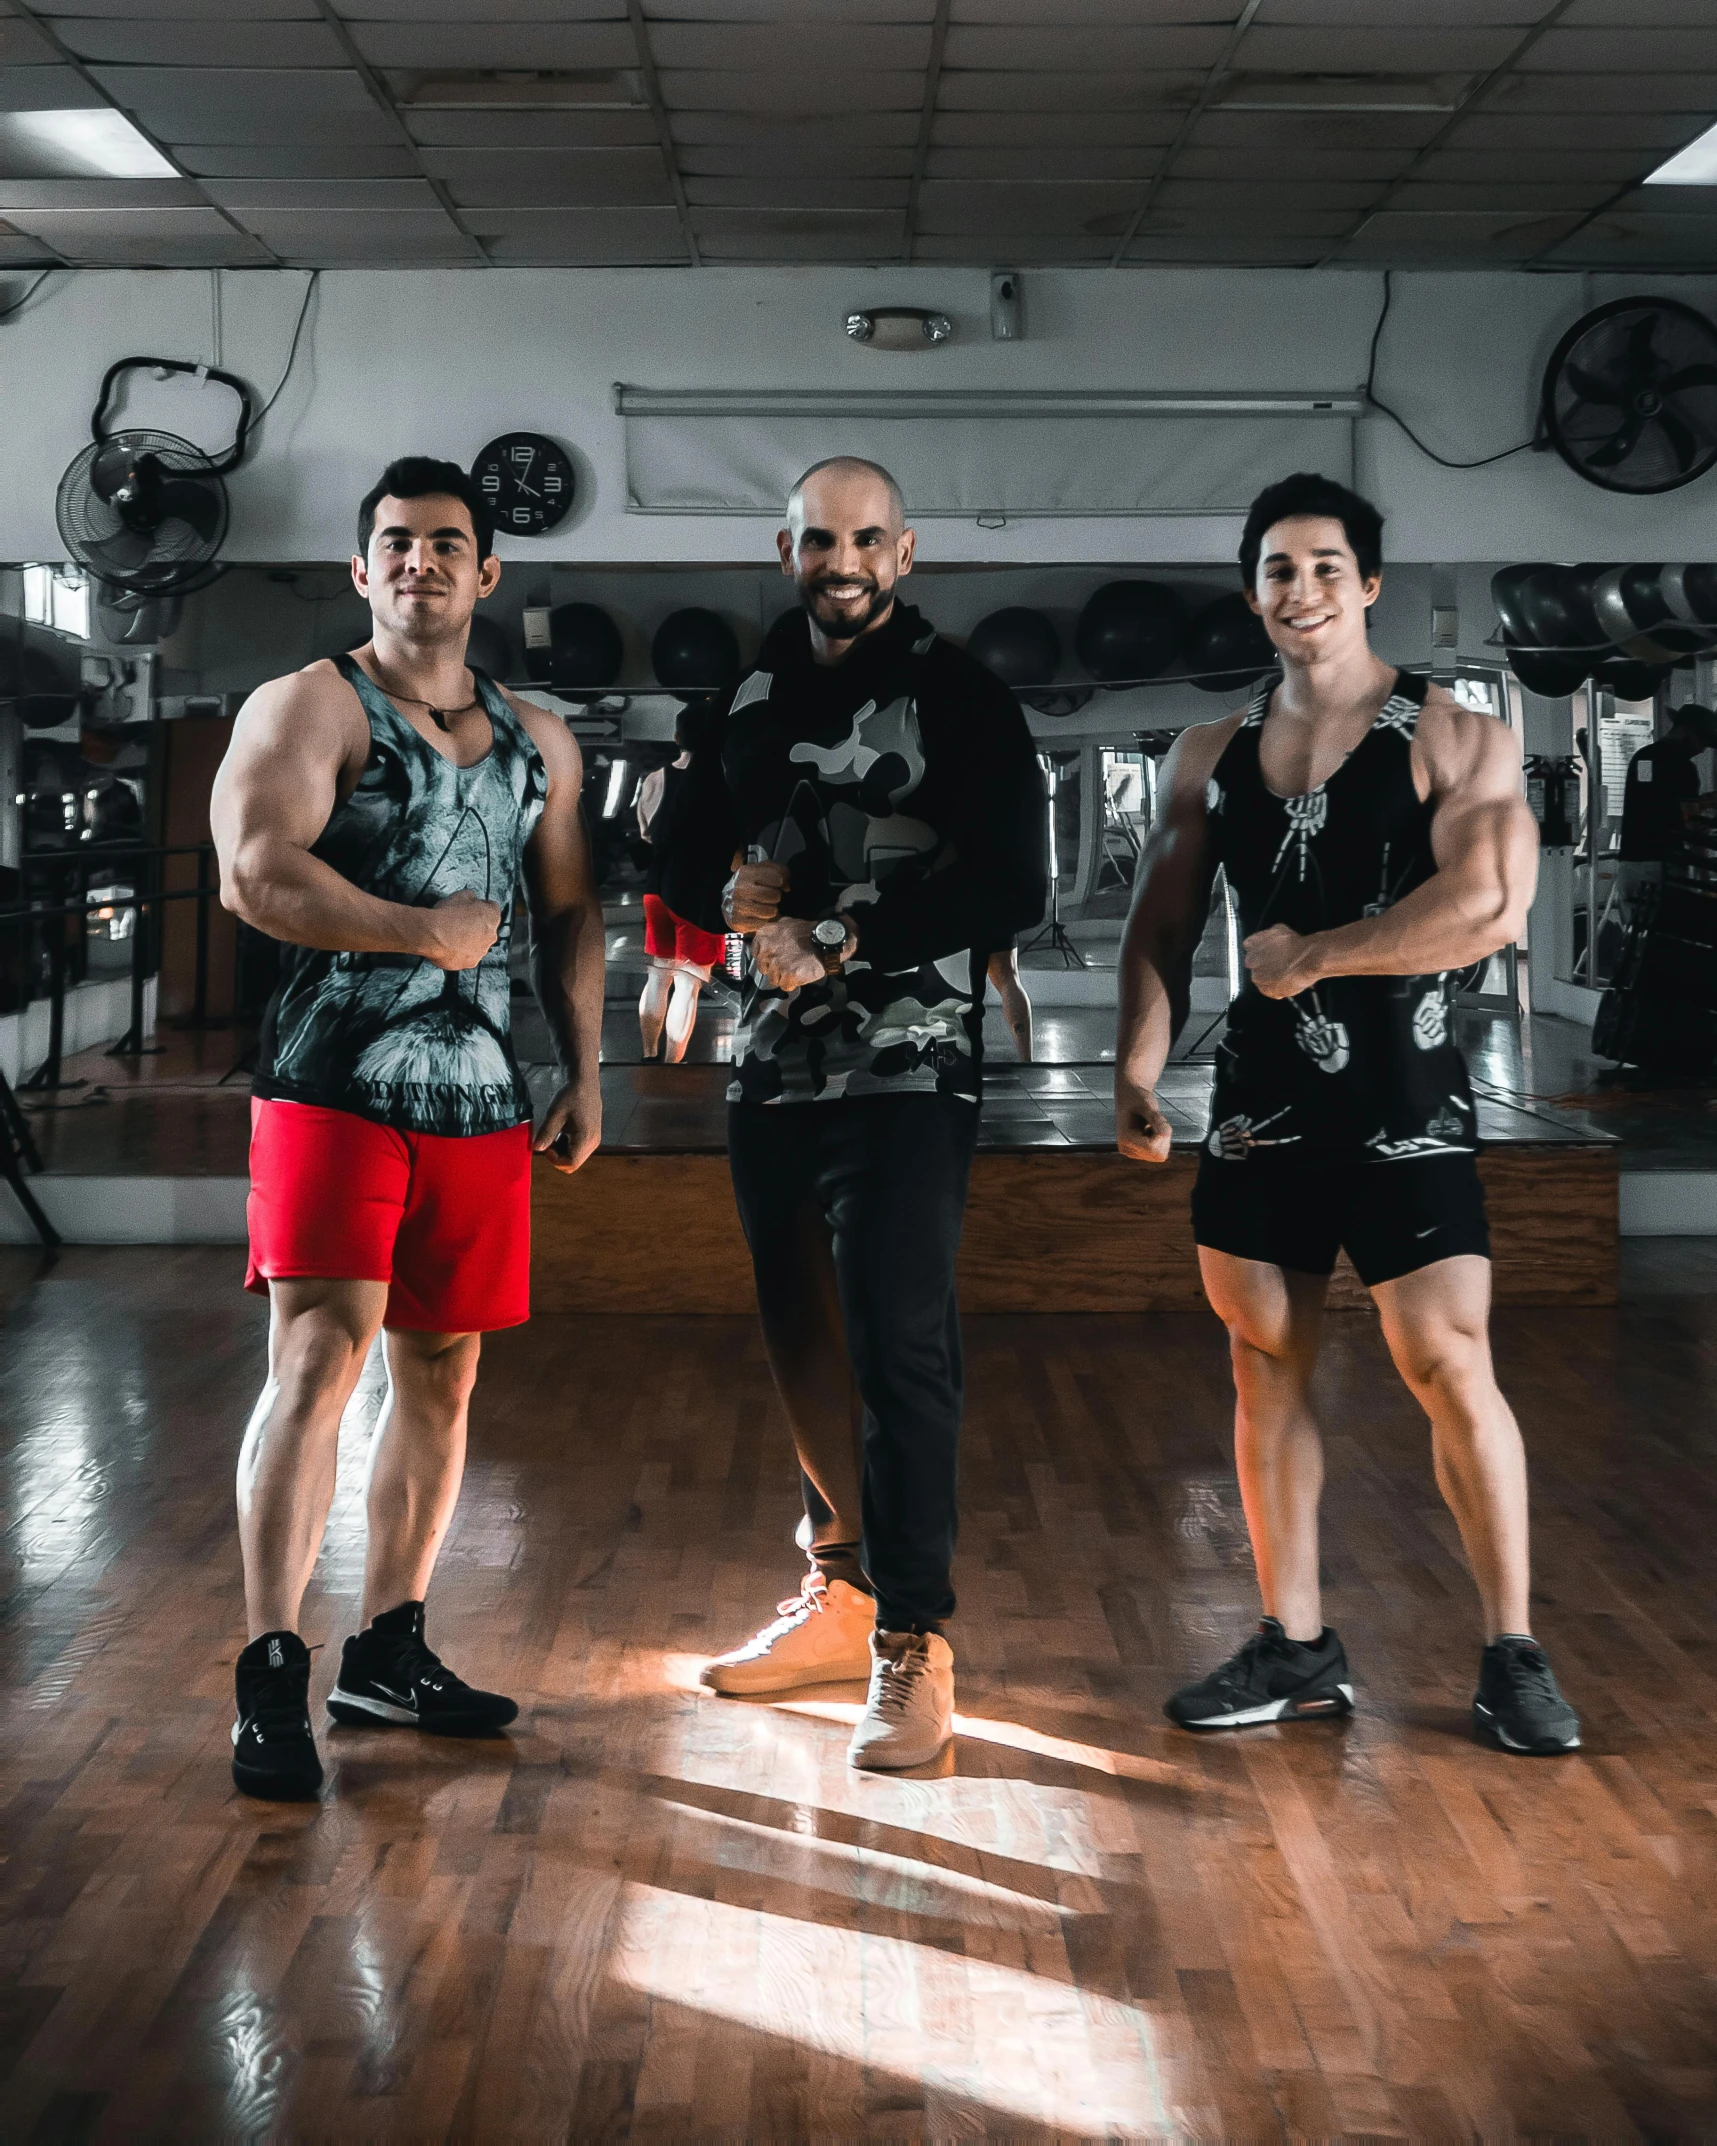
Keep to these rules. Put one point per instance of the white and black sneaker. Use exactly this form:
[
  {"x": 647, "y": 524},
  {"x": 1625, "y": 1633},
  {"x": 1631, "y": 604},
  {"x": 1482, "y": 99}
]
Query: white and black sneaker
[
  {"x": 1271, "y": 1678},
  {"x": 274, "y": 1747},
  {"x": 1519, "y": 1701},
  {"x": 389, "y": 1677}
]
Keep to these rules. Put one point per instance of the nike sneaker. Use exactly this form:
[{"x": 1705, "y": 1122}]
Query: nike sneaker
[
  {"x": 390, "y": 1676},
  {"x": 1271, "y": 1678},
  {"x": 274, "y": 1747},
  {"x": 1519, "y": 1701}
]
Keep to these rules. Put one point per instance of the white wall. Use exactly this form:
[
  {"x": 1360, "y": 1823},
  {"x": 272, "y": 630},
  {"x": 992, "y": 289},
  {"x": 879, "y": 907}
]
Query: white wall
[{"x": 441, "y": 361}]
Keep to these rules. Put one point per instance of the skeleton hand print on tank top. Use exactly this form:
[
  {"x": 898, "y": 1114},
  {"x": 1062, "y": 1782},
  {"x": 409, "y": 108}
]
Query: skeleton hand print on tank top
[{"x": 1357, "y": 1067}]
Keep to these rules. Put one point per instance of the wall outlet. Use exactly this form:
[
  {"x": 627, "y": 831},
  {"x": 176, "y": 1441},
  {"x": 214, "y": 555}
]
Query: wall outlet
[{"x": 1004, "y": 306}]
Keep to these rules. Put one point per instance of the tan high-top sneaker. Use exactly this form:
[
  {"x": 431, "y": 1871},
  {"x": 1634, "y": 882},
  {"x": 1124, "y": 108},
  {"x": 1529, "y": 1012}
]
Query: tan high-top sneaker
[
  {"x": 821, "y": 1635},
  {"x": 909, "y": 1711}
]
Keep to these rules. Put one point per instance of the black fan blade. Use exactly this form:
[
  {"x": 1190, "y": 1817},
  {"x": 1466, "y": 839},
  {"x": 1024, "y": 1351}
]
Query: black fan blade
[
  {"x": 1618, "y": 446},
  {"x": 1681, "y": 438},
  {"x": 1642, "y": 358},
  {"x": 1689, "y": 376},
  {"x": 1591, "y": 389},
  {"x": 120, "y": 554},
  {"x": 179, "y": 499}
]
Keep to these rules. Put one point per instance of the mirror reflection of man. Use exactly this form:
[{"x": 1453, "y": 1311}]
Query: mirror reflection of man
[
  {"x": 1663, "y": 780},
  {"x": 881, "y": 789},
  {"x": 1375, "y": 838},
  {"x": 376, "y": 814}
]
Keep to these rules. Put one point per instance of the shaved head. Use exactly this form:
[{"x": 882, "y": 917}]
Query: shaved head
[{"x": 844, "y": 471}]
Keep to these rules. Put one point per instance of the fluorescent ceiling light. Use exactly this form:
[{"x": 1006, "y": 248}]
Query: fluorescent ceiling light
[
  {"x": 1696, "y": 165},
  {"x": 103, "y": 143}
]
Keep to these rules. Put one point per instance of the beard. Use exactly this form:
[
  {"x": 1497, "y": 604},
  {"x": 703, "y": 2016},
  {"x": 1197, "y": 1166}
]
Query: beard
[{"x": 843, "y": 626}]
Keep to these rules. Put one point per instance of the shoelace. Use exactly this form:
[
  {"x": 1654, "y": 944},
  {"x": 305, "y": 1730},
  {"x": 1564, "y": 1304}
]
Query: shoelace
[
  {"x": 417, "y": 1663},
  {"x": 813, "y": 1595},
  {"x": 1235, "y": 1672},
  {"x": 279, "y": 1714},
  {"x": 1530, "y": 1667},
  {"x": 896, "y": 1675}
]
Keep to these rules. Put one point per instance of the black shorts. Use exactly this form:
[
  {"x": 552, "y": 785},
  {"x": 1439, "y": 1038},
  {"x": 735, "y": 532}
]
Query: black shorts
[{"x": 1391, "y": 1218}]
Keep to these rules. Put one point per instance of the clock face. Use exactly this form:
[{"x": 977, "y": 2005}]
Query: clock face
[{"x": 527, "y": 481}]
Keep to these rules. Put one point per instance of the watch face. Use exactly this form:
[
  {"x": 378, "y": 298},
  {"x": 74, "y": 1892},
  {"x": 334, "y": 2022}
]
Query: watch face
[
  {"x": 830, "y": 932},
  {"x": 527, "y": 481}
]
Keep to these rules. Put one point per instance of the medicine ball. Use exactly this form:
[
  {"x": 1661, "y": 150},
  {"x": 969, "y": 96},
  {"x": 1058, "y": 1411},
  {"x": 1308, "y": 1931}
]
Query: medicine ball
[
  {"x": 1552, "y": 677},
  {"x": 695, "y": 651},
  {"x": 1019, "y": 645},
  {"x": 1628, "y": 679},
  {"x": 1129, "y": 630},
  {"x": 1227, "y": 647},
  {"x": 490, "y": 647},
  {"x": 585, "y": 649}
]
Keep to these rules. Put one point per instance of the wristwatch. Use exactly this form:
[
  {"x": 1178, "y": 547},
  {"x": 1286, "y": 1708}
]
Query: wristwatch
[{"x": 829, "y": 937}]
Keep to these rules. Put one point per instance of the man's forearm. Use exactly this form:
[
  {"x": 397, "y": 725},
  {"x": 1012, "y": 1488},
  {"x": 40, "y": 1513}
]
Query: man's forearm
[
  {"x": 1145, "y": 1030},
  {"x": 292, "y": 896},
  {"x": 1447, "y": 923},
  {"x": 567, "y": 956}
]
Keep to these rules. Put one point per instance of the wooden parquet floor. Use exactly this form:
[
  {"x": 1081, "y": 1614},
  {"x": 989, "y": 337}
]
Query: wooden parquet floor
[{"x": 654, "y": 1913}]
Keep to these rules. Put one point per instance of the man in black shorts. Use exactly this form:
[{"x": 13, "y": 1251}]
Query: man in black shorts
[{"x": 1375, "y": 839}]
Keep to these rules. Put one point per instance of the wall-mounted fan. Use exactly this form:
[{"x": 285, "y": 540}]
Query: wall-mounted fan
[
  {"x": 146, "y": 511},
  {"x": 1630, "y": 395}
]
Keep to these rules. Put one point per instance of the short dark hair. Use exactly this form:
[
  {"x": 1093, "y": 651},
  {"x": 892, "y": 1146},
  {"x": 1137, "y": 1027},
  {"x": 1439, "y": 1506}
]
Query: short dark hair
[
  {"x": 1702, "y": 721},
  {"x": 1306, "y": 492},
  {"x": 423, "y": 477}
]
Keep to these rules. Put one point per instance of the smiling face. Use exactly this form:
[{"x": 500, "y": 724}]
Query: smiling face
[
  {"x": 1310, "y": 592},
  {"x": 421, "y": 576},
  {"x": 845, "y": 547}
]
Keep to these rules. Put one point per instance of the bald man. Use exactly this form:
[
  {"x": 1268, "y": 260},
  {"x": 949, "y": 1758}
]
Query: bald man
[{"x": 873, "y": 821}]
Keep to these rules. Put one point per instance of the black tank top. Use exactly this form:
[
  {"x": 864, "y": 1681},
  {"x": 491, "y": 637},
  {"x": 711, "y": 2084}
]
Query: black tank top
[
  {"x": 1359, "y": 1068},
  {"x": 390, "y": 1036}
]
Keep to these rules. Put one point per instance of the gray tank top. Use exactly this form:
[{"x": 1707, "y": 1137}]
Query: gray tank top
[{"x": 390, "y": 1036}]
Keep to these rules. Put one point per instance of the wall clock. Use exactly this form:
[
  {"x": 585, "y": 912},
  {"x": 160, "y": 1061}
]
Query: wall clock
[{"x": 527, "y": 481}]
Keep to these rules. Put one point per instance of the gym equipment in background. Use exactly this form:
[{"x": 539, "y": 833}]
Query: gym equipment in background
[
  {"x": 695, "y": 653},
  {"x": 585, "y": 649},
  {"x": 1054, "y": 934},
  {"x": 1130, "y": 630},
  {"x": 1227, "y": 648},
  {"x": 1630, "y": 395},
  {"x": 145, "y": 511},
  {"x": 490, "y": 647},
  {"x": 1023, "y": 648}
]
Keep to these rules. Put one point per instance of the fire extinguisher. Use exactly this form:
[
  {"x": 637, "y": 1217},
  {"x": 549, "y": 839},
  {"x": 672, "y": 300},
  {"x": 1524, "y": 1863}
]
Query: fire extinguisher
[
  {"x": 1537, "y": 788},
  {"x": 1561, "y": 803}
]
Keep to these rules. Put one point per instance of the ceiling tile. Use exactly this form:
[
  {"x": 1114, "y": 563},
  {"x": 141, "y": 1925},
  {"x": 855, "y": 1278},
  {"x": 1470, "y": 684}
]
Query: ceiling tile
[
  {"x": 552, "y": 178},
  {"x": 1407, "y": 14},
  {"x": 1071, "y": 45},
  {"x": 835, "y": 14},
  {"x": 1071, "y": 160},
  {"x": 1638, "y": 243},
  {"x": 23, "y": 45},
  {"x": 376, "y": 197},
  {"x": 1187, "y": 214},
  {"x": 797, "y": 193},
  {"x": 1393, "y": 237},
  {"x": 1220, "y": 198},
  {"x": 95, "y": 194},
  {"x": 1630, "y": 50},
  {"x": 533, "y": 130},
  {"x": 183, "y": 11},
  {"x": 1270, "y": 163},
  {"x": 160, "y": 238},
  {"x": 780, "y": 159},
  {"x": 1583, "y": 94},
  {"x": 804, "y": 89},
  {"x": 598, "y": 237},
  {"x": 18, "y": 251},
  {"x": 204, "y": 44},
  {"x": 481, "y": 11},
  {"x": 766, "y": 46},
  {"x": 426, "y": 47},
  {"x": 186, "y": 104},
  {"x": 1238, "y": 249},
  {"x": 1093, "y": 14},
  {"x": 1667, "y": 201},
  {"x": 1476, "y": 167},
  {"x": 830, "y": 134},
  {"x": 1514, "y": 197},
  {"x": 1639, "y": 14},
  {"x": 997, "y": 91},
  {"x": 951, "y": 206},
  {"x": 1050, "y": 130},
  {"x": 1382, "y": 48},
  {"x": 45, "y": 89},
  {"x": 1317, "y": 130},
  {"x": 302, "y": 161},
  {"x": 1497, "y": 130},
  {"x": 762, "y": 240},
  {"x": 1038, "y": 249},
  {"x": 403, "y": 237}
]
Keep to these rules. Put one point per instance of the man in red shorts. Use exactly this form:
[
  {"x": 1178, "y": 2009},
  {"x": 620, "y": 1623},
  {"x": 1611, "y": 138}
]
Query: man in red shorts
[
  {"x": 681, "y": 954},
  {"x": 377, "y": 814}
]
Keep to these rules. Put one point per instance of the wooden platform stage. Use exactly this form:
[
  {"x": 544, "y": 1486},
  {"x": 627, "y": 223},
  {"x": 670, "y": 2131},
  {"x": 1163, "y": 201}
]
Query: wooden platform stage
[
  {"x": 649, "y": 1912},
  {"x": 1050, "y": 1229}
]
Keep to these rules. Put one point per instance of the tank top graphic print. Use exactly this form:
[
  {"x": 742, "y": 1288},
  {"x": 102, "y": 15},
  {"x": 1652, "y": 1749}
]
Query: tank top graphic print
[
  {"x": 1358, "y": 1068},
  {"x": 391, "y": 1037}
]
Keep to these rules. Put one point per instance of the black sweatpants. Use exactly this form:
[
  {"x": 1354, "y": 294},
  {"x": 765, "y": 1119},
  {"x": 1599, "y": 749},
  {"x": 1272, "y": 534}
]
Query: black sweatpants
[{"x": 877, "y": 1186}]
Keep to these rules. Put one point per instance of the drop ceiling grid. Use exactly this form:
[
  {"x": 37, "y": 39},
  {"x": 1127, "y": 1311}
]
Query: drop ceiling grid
[{"x": 793, "y": 128}]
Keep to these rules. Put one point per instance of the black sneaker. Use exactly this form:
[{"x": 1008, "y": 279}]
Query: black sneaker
[
  {"x": 1272, "y": 1678},
  {"x": 274, "y": 1748},
  {"x": 1519, "y": 1701},
  {"x": 388, "y": 1674}
]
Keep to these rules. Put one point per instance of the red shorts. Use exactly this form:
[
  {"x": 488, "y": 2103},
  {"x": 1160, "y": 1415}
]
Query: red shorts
[
  {"x": 670, "y": 938},
  {"x": 446, "y": 1223}
]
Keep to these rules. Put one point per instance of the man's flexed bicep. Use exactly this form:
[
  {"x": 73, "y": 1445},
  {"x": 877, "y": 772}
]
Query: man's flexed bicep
[{"x": 1483, "y": 836}]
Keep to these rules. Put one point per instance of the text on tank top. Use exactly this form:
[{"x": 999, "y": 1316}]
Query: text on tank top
[
  {"x": 1358, "y": 1068},
  {"x": 391, "y": 1037}
]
